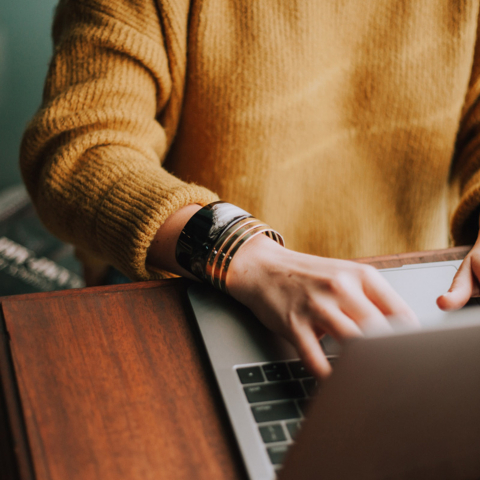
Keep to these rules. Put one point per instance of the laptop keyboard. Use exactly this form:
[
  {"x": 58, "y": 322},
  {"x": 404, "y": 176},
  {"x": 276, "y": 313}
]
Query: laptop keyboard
[{"x": 278, "y": 394}]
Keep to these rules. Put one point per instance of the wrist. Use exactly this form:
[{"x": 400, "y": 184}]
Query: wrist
[
  {"x": 161, "y": 254},
  {"x": 213, "y": 236},
  {"x": 256, "y": 260}
]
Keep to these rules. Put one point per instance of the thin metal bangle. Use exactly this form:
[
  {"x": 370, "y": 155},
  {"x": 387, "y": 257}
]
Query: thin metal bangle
[
  {"x": 237, "y": 240},
  {"x": 218, "y": 247},
  {"x": 212, "y": 236},
  {"x": 223, "y": 249},
  {"x": 223, "y": 274}
]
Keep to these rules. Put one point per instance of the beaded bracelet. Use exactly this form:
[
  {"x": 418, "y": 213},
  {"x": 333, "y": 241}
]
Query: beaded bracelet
[{"x": 211, "y": 238}]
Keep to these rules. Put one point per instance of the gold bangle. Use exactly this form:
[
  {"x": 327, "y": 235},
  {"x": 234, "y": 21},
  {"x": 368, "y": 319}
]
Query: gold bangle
[
  {"x": 212, "y": 236},
  {"x": 217, "y": 249},
  {"x": 237, "y": 236},
  {"x": 225, "y": 245},
  {"x": 236, "y": 232},
  {"x": 238, "y": 240},
  {"x": 222, "y": 282}
]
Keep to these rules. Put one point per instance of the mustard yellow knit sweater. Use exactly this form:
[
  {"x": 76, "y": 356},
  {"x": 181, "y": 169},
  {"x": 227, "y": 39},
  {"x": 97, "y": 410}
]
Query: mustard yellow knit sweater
[{"x": 352, "y": 127}]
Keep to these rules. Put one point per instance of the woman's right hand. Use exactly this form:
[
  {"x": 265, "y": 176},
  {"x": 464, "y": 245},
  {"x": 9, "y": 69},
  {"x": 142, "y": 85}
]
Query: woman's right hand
[{"x": 302, "y": 297}]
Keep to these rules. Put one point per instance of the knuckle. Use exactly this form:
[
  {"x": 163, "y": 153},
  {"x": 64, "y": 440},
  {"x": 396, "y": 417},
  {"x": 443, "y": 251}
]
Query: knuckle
[
  {"x": 368, "y": 273},
  {"x": 340, "y": 284}
]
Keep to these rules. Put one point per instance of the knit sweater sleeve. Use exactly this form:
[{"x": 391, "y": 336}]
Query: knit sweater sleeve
[
  {"x": 465, "y": 174},
  {"x": 91, "y": 157}
]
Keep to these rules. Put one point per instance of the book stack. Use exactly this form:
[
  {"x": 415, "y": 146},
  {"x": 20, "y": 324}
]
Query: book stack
[{"x": 31, "y": 259}]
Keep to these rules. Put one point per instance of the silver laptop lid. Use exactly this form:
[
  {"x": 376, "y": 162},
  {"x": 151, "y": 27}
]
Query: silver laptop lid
[{"x": 403, "y": 407}]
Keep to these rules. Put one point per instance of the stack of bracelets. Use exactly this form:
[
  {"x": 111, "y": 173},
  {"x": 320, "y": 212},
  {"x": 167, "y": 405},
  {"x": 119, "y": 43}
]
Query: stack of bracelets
[{"x": 211, "y": 238}]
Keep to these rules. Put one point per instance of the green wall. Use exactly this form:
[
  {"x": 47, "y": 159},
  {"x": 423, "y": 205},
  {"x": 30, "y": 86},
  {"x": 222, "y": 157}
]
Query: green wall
[{"x": 25, "y": 50}]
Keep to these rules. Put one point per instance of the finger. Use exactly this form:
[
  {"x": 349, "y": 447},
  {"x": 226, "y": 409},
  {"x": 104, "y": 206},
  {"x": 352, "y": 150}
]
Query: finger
[
  {"x": 311, "y": 353},
  {"x": 388, "y": 301},
  {"x": 461, "y": 289},
  {"x": 331, "y": 320},
  {"x": 365, "y": 314},
  {"x": 353, "y": 302}
]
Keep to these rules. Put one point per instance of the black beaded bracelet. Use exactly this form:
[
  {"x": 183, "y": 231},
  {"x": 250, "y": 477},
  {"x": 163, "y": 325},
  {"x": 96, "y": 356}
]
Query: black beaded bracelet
[{"x": 212, "y": 236}]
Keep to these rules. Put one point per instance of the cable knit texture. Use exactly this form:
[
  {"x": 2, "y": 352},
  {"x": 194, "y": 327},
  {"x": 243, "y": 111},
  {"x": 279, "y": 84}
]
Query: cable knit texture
[{"x": 335, "y": 122}]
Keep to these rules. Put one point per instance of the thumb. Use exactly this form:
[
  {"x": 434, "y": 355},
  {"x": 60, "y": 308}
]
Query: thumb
[{"x": 461, "y": 289}]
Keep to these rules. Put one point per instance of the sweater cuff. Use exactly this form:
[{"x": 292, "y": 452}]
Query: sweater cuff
[
  {"x": 465, "y": 220},
  {"x": 133, "y": 211}
]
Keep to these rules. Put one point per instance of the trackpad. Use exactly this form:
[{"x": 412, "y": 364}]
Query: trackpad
[{"x": 420, "y": 288}]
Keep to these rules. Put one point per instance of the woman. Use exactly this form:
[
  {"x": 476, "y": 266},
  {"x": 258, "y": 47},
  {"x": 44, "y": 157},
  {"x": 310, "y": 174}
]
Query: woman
[{"x": 350, "y": 128}]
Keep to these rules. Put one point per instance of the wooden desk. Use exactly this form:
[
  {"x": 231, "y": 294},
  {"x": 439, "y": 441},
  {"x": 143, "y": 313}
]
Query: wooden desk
[{"x": 113, "y": 383}]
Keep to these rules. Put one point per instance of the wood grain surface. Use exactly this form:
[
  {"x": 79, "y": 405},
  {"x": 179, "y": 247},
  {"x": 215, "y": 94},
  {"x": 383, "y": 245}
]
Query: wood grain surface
[
  {"x": 114, "y": 386},
  {"x": 393, "y": 261},
  {"x": 113, "y": 383}
]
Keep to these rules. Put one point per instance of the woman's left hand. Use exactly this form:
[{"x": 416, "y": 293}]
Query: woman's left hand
[{"x": 465, "y": 283}]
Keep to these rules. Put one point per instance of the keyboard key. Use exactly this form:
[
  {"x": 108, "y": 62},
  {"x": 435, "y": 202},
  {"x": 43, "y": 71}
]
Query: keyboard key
[
  {"x": 273, "y": 412},
  {"x": 293, "y": 428},
  {"x": 250, "y": 375},
  {"x": 276, "y": 371},
  {"x": 272, "y": 433},
  {"x": 277, "y": 453},
  {"x": 311, "y": 386},
  {"x": 274, "y": 391},
  {"x": 298, "y": 370}
]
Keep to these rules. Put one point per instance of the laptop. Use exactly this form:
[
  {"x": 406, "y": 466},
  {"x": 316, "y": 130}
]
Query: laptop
[{"x": 268, "y": 393}]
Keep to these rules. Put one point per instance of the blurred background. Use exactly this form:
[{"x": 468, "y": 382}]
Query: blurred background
[
  {"x": 25, "y": 50},
  {"x": 30, "y": 258}
]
